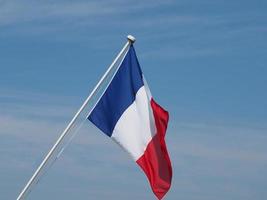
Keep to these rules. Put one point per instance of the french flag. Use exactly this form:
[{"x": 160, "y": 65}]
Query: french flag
[{"x": 128, "y": 114}]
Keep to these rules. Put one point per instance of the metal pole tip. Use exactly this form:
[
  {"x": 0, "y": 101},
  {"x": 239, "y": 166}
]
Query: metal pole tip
[{"x": 131, "y": 38}]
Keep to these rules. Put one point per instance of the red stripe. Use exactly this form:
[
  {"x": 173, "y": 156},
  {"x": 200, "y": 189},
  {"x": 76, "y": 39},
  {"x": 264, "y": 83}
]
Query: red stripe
[{"x": 155, "y": 161}]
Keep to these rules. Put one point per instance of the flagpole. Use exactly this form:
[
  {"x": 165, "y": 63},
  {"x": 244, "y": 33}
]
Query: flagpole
[{"x": 23, "y": 193}]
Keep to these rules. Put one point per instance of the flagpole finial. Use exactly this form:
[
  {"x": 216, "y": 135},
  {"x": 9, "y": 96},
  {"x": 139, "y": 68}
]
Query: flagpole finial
[{"x": 131, "y": 38}]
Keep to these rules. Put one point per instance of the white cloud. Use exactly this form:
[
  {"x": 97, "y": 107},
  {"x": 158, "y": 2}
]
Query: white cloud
[
  {"x": 224, "y": 145},
  {"x": 217, "y": 150},
  {"x": 15, "y": 11}
]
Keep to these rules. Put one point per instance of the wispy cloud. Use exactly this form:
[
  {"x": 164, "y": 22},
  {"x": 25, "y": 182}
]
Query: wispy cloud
[
  {"x": 233, "y": 142},
  {"x": 15, "y": 11},
  {"x": 215, "y": 149},
  {"x": 195, "y": 136}
]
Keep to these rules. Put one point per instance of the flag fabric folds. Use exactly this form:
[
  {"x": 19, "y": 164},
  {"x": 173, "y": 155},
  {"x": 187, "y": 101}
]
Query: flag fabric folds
[{"x": 128, "y": 114}]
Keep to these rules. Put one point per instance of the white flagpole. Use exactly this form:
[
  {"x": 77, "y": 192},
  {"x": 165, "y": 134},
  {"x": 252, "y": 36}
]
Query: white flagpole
[{"x": 23, "y": 193}]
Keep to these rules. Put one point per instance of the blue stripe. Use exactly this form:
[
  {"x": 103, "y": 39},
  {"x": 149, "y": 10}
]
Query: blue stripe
[{"x": 119, "y": 95}]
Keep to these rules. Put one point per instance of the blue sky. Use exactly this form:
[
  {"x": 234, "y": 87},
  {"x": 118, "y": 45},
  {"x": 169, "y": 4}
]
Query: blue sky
[{"x": 205, "y": 62}]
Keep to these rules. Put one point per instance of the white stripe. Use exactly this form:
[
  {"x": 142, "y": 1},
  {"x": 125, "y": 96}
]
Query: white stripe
[
  {"x": 147, "y": 88},
  {"x": 136, "y": 127}
]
